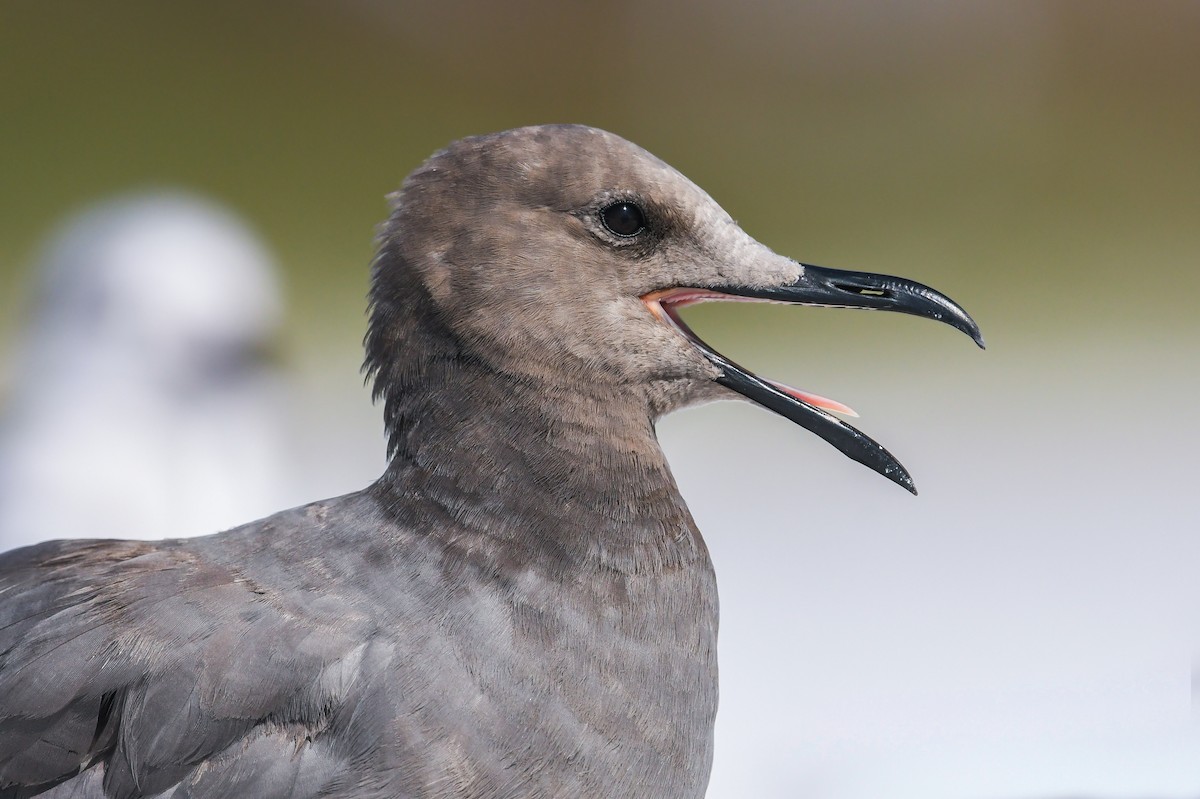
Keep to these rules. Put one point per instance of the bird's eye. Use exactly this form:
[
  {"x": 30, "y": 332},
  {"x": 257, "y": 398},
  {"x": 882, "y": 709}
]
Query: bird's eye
[{"x": 623, "y": 218}]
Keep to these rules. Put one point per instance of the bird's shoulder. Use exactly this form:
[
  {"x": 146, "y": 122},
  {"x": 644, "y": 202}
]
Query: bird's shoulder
[{"x": 150, "y": 658}]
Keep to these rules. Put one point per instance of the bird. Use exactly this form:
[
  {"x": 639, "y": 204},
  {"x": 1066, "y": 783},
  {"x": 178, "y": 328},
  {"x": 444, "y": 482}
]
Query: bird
[
  {"x": 521, "y": 605},
  {"x": 145, "y": 399}
]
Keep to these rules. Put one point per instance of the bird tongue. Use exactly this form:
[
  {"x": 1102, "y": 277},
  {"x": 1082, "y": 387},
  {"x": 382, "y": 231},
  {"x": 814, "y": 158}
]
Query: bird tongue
[{"x": 814, "y": 399}]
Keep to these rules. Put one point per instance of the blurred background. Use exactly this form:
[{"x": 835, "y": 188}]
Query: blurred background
[{"x": 1029, "y": 625}]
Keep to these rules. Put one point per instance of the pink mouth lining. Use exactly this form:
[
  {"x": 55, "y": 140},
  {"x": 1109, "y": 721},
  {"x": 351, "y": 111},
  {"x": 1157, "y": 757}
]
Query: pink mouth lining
[{"x": 663, "y": 303}]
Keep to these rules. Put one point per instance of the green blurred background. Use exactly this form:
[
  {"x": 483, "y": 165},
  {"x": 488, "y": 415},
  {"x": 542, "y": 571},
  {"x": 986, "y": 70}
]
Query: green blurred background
[{"x": 1039, "y": 162}]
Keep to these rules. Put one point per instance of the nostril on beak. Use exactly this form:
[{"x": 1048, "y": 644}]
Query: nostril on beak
[{"x": 863, "y": 291}]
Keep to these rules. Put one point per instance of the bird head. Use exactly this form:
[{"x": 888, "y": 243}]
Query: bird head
[{"x": 562, "y": 253}]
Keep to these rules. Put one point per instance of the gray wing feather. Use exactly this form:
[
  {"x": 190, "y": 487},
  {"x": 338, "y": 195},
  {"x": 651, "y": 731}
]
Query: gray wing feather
[
  {"x": 146, "y": 660},
  {"x": 270, "y": 764}
]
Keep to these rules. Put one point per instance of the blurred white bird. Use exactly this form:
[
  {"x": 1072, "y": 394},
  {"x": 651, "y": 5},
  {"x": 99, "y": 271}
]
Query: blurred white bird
[{"x": 142, "y": 402}]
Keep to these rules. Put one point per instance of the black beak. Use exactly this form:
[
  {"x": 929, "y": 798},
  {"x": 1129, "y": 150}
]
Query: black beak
[{"x": 840, "y": 289}]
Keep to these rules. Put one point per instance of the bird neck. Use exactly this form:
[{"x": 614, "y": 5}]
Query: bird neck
[
  {"x": 563, "y": 472},
  {"x": 576, "y": 473}
]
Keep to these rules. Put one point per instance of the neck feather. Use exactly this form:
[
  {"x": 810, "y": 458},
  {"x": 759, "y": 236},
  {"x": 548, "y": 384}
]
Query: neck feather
[{"x": 574, "y": 472}]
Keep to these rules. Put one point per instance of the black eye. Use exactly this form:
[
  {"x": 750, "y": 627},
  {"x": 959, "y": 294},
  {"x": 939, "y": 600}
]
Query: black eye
[{"x": 623, "y": 218}]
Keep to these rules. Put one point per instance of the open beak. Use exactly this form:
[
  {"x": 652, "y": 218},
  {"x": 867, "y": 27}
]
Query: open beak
[{"x": 823, "y": 287}]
